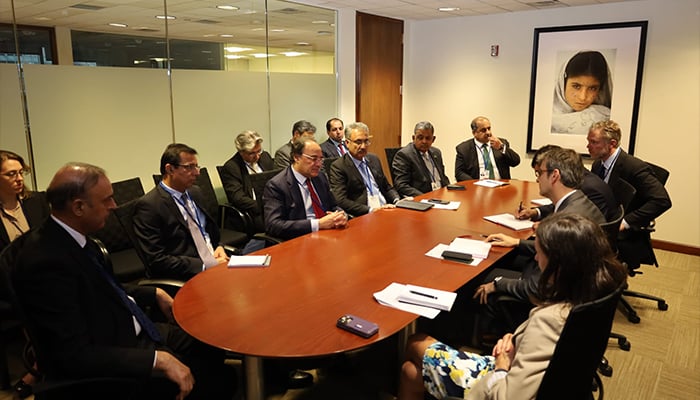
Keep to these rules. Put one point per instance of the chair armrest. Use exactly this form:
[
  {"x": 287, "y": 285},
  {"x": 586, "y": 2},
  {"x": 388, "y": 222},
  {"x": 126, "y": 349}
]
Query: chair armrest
[
  {"x": 171, "y": 286},
  {"x": 235, "y": 219},
  {"x": 269, "y": 240}
]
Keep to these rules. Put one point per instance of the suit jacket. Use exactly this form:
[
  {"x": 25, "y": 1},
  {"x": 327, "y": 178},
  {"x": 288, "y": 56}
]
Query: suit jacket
[
  {"x": 467, "y": 161},
  {"x": 412, "y": 176},
  {"x": 651, "y": 199},
  {"x": 164, "y": 238},
  {"x": 597, "y": 192},
  {"x": 283, "y": 156},
  {"x": 349, "y": 188},
  {"x": 285, "y": 214},
  {"x": 235, "y": 179},
  {"x": 75, "y": 315},
  {"x": 329, "y": 149},
  {"x": 534, "y": 341},
  {"x": 36, "y": 210}
]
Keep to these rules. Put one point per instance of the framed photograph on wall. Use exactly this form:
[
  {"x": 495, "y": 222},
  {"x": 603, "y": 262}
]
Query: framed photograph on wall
[{"x": 583, "y": 74}]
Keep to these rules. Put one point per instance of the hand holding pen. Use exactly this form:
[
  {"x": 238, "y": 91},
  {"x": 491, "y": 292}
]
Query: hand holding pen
[{"x": 525, "y": 213}]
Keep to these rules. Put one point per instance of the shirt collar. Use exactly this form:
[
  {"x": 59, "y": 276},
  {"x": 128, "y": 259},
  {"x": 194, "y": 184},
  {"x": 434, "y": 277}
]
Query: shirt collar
[
  {"x": 77, "y": 236},
  {"x": 610, "y": 162},
  {"x": 556, "y": 206}
]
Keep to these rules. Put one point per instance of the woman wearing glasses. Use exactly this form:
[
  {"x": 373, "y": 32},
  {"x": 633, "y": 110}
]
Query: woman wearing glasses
[{"x": 20, "y": 210}]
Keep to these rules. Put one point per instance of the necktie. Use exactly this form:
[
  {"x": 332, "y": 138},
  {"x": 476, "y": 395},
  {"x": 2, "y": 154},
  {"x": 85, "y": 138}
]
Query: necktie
[
  {"x": 487, "y": 161},
  {"x": 205, "y": 253},
  {"x": 315, "y": 201},
  {"x": 429, "y": 164},
  {"x": 146, "y": 324},
  {"x": 341, "y": 148},
  {"x": 602, "y": 171}
]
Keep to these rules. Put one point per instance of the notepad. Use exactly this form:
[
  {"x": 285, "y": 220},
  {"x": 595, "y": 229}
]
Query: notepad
[
  {"x": 510, "y": 221},
  {"x": 249, "y": 261},
  {"x": 490, "y": 183},
  {"x": 427, "y": 297},
  {"x": 477, "y": 248}
]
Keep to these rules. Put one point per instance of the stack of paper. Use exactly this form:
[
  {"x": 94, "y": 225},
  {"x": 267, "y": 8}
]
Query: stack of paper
[
  {"x": 249, "y": 261},
  {"x": 510, "y": 221},
  {"x": 452, "y": 205},
  {"x": 477, "y": 248},
  {"x": 419, "y": 300},
  {"x": 490, "y": 183}
]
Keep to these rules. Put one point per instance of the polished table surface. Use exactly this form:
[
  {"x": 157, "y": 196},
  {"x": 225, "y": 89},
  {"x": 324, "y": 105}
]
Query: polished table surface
[{"x": 290, "y": 309}]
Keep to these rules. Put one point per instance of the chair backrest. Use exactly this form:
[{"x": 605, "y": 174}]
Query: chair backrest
[
  {"x": 125, "y": 215},
  {"x": 258, "y": 181},
  {"x": 624, "y": 192},
  {"x": 112, "y": 234},
  {"x": 327, "y": 165},
  {"x": 580, "y": 348},
  {"x": 390, "y": 153},
  {"x": 126, "y": 190},
  {"x": 660, "y": 173},
  {"x": 612, "y": 228}
]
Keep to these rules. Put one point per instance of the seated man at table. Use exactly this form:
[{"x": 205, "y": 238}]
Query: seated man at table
[
  {"x": 298, "y": 200},
  {"x": 477, "y": 156},
  {"x": 357, "y": 180},
  {"x": 335, "y": 145},
  {"x": 235, "y": 174},
  {"x": 591, "y": 185},
  {"x": 559, "y": 176},
  {"x": 301, "y": 128},
  {"x": 418, "y": 166},
  {"x": 86, "y": 323},
  {"x": 173, "y": 231}
]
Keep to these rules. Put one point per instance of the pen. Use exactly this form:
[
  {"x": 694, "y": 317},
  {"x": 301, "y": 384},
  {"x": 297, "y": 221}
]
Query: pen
[
  {"x": 520, "y": 207},
  {"x": 423, "y": 294}
]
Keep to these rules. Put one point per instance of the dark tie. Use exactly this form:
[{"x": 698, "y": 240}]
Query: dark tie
[
  {"x": 342, "y": 149},
  {"x": 315, "y": 201},
  {"x": 147, "y": 325},
  {"x": 601, "y": 172}
]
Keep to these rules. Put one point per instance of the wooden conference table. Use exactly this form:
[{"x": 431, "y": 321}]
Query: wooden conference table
[{"x": 289, "y": 310}]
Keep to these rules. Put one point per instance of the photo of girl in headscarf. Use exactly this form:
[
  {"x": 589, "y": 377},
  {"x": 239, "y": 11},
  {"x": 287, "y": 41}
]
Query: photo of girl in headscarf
[{"x": 582, "y": 93}]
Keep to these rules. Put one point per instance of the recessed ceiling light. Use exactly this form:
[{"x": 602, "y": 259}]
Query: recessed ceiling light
[
  {"x": 227, "y": 7},
  {"x": 303, "y": 43},
  {"x": 42, "y": 18},
  {"x": 236, "y": 49},
  {"x": 277, "y": 30},
  {"x": 293, "y": 53},
  {"x": 262, "y": 55},
  {"x": 448, "y": 9},
  {"x": 234, "y": 56},
  {"x": 319, "y": 22},
  {"x": 118, "y": 25},
  {"x": 209, "y": 35},
  {"x": 165, "y": 17},
  {"x": 226, "y": 35}
]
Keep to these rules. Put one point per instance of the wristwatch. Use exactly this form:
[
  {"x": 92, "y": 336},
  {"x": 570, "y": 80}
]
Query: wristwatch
[{"x": 495, "y": 281}]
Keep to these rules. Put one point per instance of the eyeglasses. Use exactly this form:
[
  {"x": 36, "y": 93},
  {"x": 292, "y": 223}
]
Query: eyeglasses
[
  {"x": 189, "y": 167},
  {"x": 539, "y": 172},
  {"x": 252, "y": 153},
  {"x": 359, "y": 142},
  {"x": 11, "y": 175},
  {"x": 314, "y": 159}
]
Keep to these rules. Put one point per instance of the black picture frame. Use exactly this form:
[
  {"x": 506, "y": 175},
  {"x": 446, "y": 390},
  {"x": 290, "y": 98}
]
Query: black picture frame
[{"x": 622, "y": 46}]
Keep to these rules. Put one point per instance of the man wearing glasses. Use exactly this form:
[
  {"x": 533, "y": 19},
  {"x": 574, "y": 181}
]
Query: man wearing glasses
[
  {"x": 357, "y": 180},
  {"x": 298, "y": 200},
  {"x": 177, "y": 236}
]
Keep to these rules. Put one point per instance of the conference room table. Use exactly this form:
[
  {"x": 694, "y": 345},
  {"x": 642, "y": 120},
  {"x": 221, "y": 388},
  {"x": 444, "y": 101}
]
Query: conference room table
[{"x": 290, "y": 309}]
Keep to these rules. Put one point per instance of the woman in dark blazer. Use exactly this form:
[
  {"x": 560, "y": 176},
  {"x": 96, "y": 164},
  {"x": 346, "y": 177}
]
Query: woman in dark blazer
[{"x": 20, "y": 210}]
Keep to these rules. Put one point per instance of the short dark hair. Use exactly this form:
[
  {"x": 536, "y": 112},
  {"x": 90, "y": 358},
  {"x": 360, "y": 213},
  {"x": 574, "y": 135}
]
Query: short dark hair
[
  {"x": 10, "y": 155},
  {"x": 569, "y": 164},
  {"x": 328, "y": 123},
  {"x": 569, "y": 276},
  {"x": 303, "y": 126},
  {"x": 171, "y": 155},
  {"x": 84, "y": 176},
  {"x": 299, "y": 144},
  {"x": 537, "y": 157}
]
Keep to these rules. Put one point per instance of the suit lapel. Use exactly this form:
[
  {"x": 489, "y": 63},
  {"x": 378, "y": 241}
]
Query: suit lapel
[{"x": 169, "y": 202}]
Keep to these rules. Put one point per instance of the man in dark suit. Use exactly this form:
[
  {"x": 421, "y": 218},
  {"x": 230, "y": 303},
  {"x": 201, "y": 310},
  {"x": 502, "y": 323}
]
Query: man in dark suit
[
  {"x": 335, "y": 145},
  {"x": 235, "y": 174},
  {"x": 591, "y": 185},
  {"x": 650, "y": 200},
  {"x": 301, "y": 128},
  {"x": 559, "y": 174},
  {"x": 298, "y": 200},
  {"x": 357, "y": 180},
  {"x": 83, "y": 321},
  {"x": 418, "y": 166},
  {"x": 177, "y": 236},
  {"x": 477, "y": 156}
]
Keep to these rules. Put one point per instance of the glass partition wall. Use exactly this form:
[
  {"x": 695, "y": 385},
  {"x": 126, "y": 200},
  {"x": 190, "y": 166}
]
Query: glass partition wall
[{"x": 113, "y": 83}]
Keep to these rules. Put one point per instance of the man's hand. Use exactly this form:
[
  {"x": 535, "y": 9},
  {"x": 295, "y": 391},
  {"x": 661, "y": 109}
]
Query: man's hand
[
  {"x": 333, "y": 220},
  {"x": 220, "y": 255},
  {"x": 502, "y": 240},
  {"x": 496, "y": 142},
  {"x": 526, "y": 213},
  {"x": 165, "y": 303},
  {"x": 483, "y": 292},
  {"x": 176, "y": 372},
  {"x": 504, "y": 351}
]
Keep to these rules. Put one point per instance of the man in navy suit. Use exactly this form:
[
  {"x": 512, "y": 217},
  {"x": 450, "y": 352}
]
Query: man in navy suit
[
  {"x": 85, "y": 323},
  {"x": 298, "y": 200},
  {"x": 418, "y": 166},
  {"x": 335, "y": 145},
  {"x": 357, "y": 180}
]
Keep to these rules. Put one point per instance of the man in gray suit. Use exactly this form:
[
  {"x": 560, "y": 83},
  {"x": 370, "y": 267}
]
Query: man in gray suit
[
  {"x": 418, "y": 166},
  {"x": 559, "y": 175}
]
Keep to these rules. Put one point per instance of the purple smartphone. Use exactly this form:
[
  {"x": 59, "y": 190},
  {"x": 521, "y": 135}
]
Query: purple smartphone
[{"x": 357, "y": 325}]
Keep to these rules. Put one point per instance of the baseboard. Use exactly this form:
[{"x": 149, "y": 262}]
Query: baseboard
[{"x": 675, "y": 247}]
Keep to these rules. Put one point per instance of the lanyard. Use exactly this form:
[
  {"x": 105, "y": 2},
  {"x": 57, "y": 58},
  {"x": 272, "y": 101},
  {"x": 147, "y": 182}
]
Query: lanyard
[
  {"x": 188, "y": 210},
  {"x": 366, "y": 177}
]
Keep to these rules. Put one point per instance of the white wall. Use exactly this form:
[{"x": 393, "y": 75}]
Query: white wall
[{"x": 450, "y": 77}]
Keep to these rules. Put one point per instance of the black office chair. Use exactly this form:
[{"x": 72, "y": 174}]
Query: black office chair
[
  {"x": 258, "y": 181},
  {"x": 327, "y": 165},
  {"x": 249, "y": 223},
  {"x": 128, "y": 266},
  {"x": 50, "y": 387},
  {"x": 390, "y": 153},
  {"x": 233, "y": 223}
]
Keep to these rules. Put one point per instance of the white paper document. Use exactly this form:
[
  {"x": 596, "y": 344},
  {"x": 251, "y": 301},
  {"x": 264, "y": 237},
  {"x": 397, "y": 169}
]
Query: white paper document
[
  {"x": 389, "y": 296},
  {"x": 453, "y": 205},
  {"x": 489, "y": 183},
  {"x": 541, "y": 202},
  {"x": 510, "y": 221},
  {"x": 477, "y": 248},
  {"x": 249, "y": 261}
]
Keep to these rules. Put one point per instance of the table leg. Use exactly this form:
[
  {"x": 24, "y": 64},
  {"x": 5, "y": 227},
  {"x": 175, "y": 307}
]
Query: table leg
[
  {"x": 404, "y": 334},
  {"x": 255, "y": 385}
]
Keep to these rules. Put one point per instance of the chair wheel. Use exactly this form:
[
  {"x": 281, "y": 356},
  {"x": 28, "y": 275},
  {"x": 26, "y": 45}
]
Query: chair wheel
[
  {"x": 663, "y": 306},
  {"x": 624, "y": 345},
  {"x": 634, "y": 318},
  {"x": 605, "y": 370}
]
